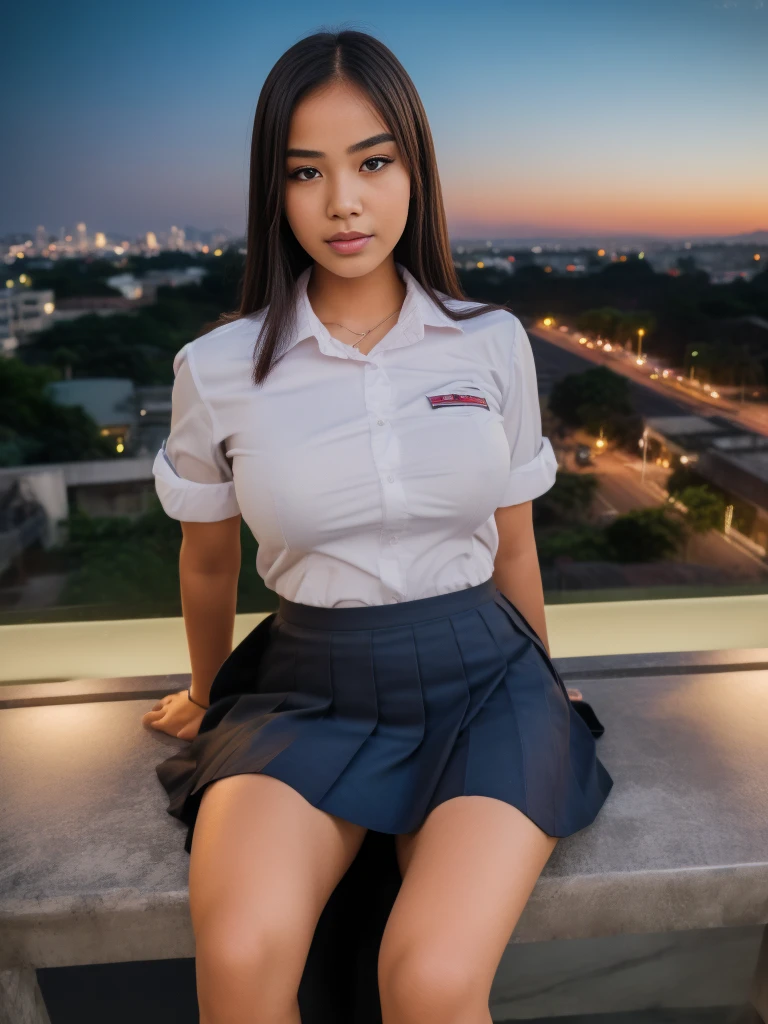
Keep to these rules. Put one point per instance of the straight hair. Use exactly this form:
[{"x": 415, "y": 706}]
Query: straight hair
[{"x": 274, "y": 259}]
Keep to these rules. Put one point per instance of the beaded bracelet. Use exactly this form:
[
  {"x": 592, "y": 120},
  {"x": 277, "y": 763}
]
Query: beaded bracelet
[{"x": 203, "y": 706}]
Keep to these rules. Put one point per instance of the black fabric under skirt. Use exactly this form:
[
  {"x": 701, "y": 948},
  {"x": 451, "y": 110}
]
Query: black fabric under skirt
[{"x": 377, "y": 715}]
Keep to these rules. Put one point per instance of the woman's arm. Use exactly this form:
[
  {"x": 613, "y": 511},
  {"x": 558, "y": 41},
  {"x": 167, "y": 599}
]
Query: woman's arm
[
  {"x": 516, "y": 570},
  {"x": 209, "y": 566}
]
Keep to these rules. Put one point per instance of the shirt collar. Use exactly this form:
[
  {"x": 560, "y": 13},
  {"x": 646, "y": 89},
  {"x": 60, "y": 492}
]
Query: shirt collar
[{"x": 418, "y": 311}]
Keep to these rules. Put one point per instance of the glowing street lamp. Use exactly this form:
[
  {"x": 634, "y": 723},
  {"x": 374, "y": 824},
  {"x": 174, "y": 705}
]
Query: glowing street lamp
[
  {"x": 644, "y": 446},
  {"x": 640, "y": 333}
]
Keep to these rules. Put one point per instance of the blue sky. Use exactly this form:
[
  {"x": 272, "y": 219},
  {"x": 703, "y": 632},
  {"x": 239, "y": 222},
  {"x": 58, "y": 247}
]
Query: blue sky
[{"x": 552, "y": 116}]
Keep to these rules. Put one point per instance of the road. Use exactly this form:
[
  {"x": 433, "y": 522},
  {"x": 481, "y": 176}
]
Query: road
[
  {"x": 622, "y": 489},
  {"x": 675, "y": 398}
]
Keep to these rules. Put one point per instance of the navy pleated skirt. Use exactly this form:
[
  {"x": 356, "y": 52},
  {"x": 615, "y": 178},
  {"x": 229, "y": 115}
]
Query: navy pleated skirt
[{"x": 378, "y": 714}]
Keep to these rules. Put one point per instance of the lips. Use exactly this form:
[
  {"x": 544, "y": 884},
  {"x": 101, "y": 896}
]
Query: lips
[{"x": 349, "y": 241}]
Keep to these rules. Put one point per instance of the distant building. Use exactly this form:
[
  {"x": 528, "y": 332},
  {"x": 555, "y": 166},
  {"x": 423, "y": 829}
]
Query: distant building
[
  {"x": 24, "y": 311},
  {"x": 176, "y": 238},
  {"x": 8, "y": 340},
  {"x": 110, "y": 401},
  {"x": 734, "y": 460}
]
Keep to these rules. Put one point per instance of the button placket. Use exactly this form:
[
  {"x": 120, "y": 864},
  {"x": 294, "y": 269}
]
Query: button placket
[{"x": 385, "y": 448}]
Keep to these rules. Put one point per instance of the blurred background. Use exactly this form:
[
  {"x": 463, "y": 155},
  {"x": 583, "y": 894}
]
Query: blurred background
[{"x": 604, "y": 171}]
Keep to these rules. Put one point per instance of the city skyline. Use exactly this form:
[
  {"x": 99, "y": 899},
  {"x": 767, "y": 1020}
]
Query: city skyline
[{"x": 551, "y": 119}]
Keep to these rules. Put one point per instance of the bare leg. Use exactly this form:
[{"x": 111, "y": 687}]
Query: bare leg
[
  {"x": 467, "y": 875},
  {"x": 263, "y": 863}
]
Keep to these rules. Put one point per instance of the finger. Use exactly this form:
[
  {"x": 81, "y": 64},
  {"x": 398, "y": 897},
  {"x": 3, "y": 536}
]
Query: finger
[
  {"x": 153, "y": 716},
  {"x": 162, "y": 702}
]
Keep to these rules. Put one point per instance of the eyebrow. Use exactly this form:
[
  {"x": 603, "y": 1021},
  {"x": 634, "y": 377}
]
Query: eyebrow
[{"x": 375, "y": 140}]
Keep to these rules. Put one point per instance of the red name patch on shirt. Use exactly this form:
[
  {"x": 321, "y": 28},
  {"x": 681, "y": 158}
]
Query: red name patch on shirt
[{"x": 436, "y": 401}]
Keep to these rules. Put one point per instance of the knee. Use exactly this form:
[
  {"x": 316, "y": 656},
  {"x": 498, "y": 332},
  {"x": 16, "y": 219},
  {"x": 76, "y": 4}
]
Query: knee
[
  {"x": 429, "y": 986},
  {"x": 246, "y": 966}
]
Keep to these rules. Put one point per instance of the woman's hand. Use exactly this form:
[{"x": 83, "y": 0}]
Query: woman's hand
[{"x": 176, "y": 715}]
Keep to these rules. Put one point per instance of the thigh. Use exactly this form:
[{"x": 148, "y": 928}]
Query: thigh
[
  {"x": 263, "y": 863},
  {"x": 467, "y": 874}
]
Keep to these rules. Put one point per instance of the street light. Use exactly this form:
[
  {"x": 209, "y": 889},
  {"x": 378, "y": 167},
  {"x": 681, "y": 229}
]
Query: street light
[
  {"x": 644, "y": 445},
  {"x": 640, "y": 333}
]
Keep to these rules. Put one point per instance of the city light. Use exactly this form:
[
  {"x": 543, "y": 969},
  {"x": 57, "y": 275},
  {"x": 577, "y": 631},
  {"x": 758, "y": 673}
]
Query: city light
[
  {"x": 217, "y": 252},
  {"x": 119, "y": 250},
  {"x": 48, "y": 307},
  {"x": 684, "y": 459},
  {"x": 480, "y": 263},
  {"x": 601, "y": 252},
  {"x": 9, "y": 283},
  {"x": 20, "y": 255},
  {"x": 119, "y": 448},
  {"x": 714, "y": 394},
  {"x": 23, "y": 278},
  {"x": 582, "y": 341},
  {"x": 547, "y": 270},
  {"x": 607, "y": 347},
  {"x": 756, "y": 256},
  {"x": 547, "y": 321}
]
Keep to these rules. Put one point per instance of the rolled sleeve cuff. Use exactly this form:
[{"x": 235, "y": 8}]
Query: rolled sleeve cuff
[
  {"x": 191, "y": 501},
  {"x": 533, "y": 478}
]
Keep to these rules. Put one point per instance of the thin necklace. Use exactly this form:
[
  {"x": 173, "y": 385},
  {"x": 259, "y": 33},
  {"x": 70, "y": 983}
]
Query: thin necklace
[{"x": 337, "y": 324}]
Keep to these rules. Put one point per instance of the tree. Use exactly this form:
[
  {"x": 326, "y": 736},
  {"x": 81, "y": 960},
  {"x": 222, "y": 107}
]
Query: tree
[
  {"x": 568, "y": 501},
  {"x": 33, "y": 428},
  {"x": 644, "y": 535},
  {"x": 706, "y": 510},
  {"x": 593, "y": 399}
]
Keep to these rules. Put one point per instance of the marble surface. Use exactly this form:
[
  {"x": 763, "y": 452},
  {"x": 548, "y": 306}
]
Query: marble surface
[{"x": 92, "y": 868}]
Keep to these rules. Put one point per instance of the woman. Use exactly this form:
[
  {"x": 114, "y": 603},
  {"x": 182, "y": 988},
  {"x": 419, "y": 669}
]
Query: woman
[{"x": 381, "y": 436}]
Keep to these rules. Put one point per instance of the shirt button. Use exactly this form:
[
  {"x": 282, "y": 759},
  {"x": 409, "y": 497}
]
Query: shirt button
[
  {"x": 380, "y": 422},
  {"x": 393, "y": 540},
  {"x": 391, "y": 478}
]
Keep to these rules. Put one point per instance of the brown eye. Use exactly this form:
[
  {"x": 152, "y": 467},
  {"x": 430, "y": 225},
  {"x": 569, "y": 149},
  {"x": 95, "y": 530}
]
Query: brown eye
[
  {"x": 377, "y": 159},
  {"x": 300, "y": 170}
]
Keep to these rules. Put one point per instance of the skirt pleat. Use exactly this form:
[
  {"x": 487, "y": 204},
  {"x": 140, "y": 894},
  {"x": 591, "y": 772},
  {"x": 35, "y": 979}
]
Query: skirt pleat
[{"x": 379, "y": 724}]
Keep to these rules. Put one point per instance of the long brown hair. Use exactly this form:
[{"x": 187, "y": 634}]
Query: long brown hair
[{"x": 274, "y": 258}]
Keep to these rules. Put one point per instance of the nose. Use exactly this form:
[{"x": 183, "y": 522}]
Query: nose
[{"x": 344, "y": 196}]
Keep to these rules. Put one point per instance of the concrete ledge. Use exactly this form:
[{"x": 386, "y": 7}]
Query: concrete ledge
[
  {"x": 140, "y": 647},
  {"x": 92, "y": 868}
]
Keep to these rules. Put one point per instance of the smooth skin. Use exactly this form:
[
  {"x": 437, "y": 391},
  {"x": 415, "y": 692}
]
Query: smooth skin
[{"x": 264, "y": 860}]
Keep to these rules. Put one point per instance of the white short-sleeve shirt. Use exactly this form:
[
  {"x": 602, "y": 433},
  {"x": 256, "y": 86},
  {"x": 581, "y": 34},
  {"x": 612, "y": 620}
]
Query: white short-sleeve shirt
[{"x": 362, "y": 483}]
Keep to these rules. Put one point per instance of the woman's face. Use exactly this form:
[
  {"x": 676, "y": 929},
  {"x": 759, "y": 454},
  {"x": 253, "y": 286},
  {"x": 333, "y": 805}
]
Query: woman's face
[{"x": 330, "y": 190}]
